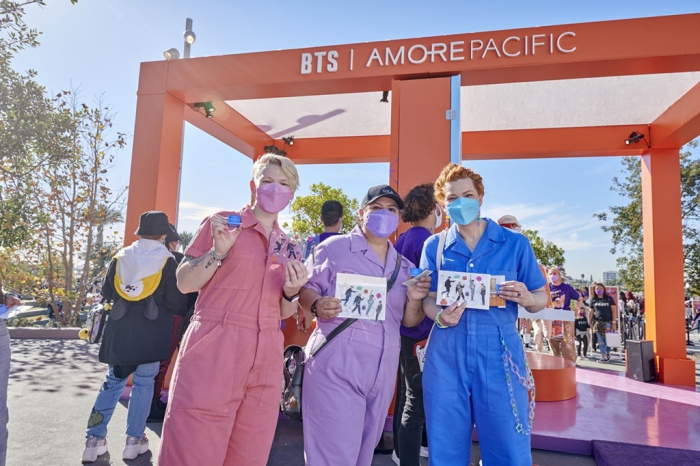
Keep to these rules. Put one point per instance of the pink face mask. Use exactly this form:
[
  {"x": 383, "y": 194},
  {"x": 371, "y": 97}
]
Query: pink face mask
[{"x": 273, "y": 197}]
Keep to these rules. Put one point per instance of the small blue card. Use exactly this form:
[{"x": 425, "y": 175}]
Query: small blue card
[{"x": 234, "y": 221}]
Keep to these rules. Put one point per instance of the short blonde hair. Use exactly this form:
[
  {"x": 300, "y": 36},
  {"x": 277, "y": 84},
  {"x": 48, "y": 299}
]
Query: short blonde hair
[{"x": 287, "y": 166}]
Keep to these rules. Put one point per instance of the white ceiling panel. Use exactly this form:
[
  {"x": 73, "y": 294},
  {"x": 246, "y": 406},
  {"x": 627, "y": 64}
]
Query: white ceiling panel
[
  {"x": 319, "y": 116},
  {"x": 619, "y": 100}
]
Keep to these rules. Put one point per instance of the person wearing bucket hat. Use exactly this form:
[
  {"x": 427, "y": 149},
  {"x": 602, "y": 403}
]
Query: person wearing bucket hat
[
  {"x": 180, "y": 323},
  {"x": 141, "y": 288},
  {"x": 348, "y": 388},
  {"x": 226, "y": 385}
]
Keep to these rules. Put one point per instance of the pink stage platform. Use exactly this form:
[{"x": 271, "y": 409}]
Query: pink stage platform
[{"x": 609, "y": 406}]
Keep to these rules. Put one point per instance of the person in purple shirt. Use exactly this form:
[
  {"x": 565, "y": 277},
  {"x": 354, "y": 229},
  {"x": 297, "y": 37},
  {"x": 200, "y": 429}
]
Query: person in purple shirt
[
  {"x": 348, "y": 387},
  {"x": 562, "y": 337},
  {"x": 424, "y": 215}
]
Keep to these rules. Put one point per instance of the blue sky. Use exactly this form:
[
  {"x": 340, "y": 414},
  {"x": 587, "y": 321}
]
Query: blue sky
[{"x": 98, "y": 45}]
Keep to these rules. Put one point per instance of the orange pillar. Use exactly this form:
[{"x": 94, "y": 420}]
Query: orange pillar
[
  {"x": 155, "y": 162},
  {"x": 663, "y": 265},
  {"x": 420, "y": 132}
]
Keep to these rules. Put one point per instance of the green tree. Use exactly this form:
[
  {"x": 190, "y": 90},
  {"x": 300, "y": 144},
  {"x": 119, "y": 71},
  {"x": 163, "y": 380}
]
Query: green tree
[
  {"x": 187, "y": 237},
  {"x": 34, "y": 131},
  {"x": 546, "y": 252},
  {"x": 307, "y": 210},
  {"x": 626, "y": 220}
]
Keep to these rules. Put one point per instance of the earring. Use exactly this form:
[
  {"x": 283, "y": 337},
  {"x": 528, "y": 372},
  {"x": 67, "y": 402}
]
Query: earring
[{"x": 478, "y": 219}]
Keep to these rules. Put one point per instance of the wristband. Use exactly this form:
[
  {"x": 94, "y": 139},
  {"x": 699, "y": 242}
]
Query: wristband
[
  {"x": 437, "y": 320},
  {"x": 292, "y": 298},
  {"x": 218, "y": 258},
  {"x": 313, "y": 309}
]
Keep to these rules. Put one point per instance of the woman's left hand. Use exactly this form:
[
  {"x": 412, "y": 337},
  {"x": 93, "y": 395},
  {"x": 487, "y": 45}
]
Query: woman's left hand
[
  {"x": 518, "y": 293},
  {"x": 420, "y": 290},
  {"x": 295, "y": 276}
]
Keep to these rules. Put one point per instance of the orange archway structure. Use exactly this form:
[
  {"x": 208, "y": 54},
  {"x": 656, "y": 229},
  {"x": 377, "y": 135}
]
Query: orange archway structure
[{"x": 558, "y": 91}]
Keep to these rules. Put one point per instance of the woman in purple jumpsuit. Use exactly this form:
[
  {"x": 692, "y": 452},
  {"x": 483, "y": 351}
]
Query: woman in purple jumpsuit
[{"x": 348, "y": 387}]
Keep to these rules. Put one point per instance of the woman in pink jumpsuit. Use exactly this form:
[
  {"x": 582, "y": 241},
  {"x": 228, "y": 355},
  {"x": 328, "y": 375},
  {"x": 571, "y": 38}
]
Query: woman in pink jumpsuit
[
  {"x": 348, "y": 386},
  {"x": 224, "y": 399}
]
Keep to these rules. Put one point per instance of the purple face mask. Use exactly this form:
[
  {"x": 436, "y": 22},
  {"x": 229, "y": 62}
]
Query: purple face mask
[
  {"x": 554, "y": 277},
  {"x": 382, "y": 223},
  {"x": 599, "y": 292}
]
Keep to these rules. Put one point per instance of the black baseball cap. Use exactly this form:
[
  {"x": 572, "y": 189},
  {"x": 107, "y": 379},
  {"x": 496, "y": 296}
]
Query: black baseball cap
[{"x": 383, "y": 190}]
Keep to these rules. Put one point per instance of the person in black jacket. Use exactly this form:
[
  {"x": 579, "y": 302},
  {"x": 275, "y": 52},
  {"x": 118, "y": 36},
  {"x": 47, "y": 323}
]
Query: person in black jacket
[
  {"x": 158, "y": 407},
  {"x": 582, "y": 325},
  {"x": 141, "y": 288}
]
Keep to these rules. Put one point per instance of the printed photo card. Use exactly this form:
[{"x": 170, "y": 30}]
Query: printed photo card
[
  {"x": 361, "y": 297},
  {"x": 472, "y": 288}
]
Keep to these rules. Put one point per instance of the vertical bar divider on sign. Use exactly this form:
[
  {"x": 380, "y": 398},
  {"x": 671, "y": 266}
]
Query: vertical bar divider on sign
[{"x": 456, "y": 121}]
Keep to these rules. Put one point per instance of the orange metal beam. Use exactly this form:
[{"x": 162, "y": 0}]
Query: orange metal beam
[
  {"x": 552, "y": 142},
  {"x": 663, "y": 265},
  {"x": 680, "y": 123},
  {"x": 231, "y": 128},
  {"x": 351, "y": 149},
  {"x": 608, "y": 48},
  {"x": 590, "y": 141}
]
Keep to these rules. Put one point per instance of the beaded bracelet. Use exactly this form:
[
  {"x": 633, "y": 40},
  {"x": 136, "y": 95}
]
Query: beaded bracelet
[{"x": 437, "y": 320}]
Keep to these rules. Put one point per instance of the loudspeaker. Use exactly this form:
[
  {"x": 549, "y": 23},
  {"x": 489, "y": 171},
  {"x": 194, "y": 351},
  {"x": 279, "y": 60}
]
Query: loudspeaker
[{"x": 640, "y": 360}]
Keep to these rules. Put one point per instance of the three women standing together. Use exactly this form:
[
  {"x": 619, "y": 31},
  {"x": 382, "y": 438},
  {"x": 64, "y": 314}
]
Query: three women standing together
[{"x": 226, "y": 384}]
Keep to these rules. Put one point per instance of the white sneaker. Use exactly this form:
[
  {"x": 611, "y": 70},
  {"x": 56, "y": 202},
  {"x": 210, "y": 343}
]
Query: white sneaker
[
  {"x": 395, "y": 458},
  {"x": 134, "y": 447},
  {"x": 94, "y": 447},
  {"x": 424, "y": 451}
]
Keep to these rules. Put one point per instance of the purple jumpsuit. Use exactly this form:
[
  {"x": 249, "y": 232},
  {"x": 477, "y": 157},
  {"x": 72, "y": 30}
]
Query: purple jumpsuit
[{"x": 348, "y": 387}]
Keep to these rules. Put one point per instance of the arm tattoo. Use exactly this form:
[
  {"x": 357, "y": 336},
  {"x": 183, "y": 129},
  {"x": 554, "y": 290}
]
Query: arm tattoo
[{"x": 200, "y": 260}]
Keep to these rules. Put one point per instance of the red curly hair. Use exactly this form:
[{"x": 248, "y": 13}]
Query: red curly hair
[{"x": 454, "y": 172}]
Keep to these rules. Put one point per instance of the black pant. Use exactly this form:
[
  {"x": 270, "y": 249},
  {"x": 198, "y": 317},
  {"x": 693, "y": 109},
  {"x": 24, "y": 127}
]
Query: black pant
[
  {"x": 582, "y": 342},
  {"x": 409, "y": 416}
]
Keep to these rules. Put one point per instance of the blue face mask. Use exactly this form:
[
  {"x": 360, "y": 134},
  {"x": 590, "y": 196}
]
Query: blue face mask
[{"x": 463, "y": 210}]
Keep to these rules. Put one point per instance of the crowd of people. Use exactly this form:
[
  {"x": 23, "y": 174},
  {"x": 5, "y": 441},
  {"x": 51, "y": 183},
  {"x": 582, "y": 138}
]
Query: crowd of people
[
  {"x": 224, "y": 396},
  {"x": 221, "y": 303}
]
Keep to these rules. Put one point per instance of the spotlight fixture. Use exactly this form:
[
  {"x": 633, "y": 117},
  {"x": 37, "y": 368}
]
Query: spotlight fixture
[
  {"x": 171, "y": 54},
  {"x": 634, "y": 138},
  {"x": 385, "y": 97},
  {"x": 207, "y": 106},
  {"x": 273, "y": 149},
  {"x": 189, "y": 35},
  {"x": 288, "y": 140}
]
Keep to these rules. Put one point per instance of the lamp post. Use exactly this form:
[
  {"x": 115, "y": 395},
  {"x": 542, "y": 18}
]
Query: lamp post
[{"x": 189, "y": 37}]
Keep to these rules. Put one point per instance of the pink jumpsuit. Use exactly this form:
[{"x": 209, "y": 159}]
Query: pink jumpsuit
[{"x": 224, "y": 399}]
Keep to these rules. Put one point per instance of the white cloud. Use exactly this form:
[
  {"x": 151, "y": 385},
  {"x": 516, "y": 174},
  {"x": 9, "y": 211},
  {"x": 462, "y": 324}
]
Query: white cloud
[{"x": 194, "y": 211}]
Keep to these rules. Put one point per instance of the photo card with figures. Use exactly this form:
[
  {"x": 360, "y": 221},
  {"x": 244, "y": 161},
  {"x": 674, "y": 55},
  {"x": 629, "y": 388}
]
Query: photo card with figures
[
  {"x": 361, "y": 297},
  {"x": 472, "y": 288}
]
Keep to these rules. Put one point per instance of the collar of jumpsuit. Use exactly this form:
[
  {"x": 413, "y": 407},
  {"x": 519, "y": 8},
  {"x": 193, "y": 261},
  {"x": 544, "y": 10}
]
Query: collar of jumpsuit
[
  {"x": 492, "y": 234},
  {"x": 358, "y": 243}
]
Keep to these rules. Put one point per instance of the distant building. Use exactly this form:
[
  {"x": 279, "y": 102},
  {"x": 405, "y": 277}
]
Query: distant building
[{"x": 611, "y": 276}]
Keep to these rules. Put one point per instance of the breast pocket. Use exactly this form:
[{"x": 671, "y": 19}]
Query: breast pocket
[{"x": 238, "y": 271}]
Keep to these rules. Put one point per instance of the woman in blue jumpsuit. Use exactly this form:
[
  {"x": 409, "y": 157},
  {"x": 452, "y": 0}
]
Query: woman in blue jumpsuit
[{"x": 475, "y": 371}]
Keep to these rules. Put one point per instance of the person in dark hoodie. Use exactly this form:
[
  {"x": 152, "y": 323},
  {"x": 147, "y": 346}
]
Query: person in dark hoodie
[
  {"x": 158, "y": 407},
  {"x": 141, "y": 295}
]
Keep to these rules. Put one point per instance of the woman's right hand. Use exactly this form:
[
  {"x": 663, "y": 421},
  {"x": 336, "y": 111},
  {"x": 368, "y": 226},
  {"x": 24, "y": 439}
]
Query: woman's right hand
[
  {"x": 450, "y": 316},
  {"x": 223, "y": 238},
  {"x": 328, "y": 307}
]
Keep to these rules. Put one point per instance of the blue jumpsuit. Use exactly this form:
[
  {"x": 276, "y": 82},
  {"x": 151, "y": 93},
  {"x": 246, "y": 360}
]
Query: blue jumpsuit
[{"x": 475, "y": 372}]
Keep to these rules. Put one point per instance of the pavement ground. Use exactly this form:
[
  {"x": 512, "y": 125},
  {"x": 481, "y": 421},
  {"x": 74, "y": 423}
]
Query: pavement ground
[{"x": 53, "y": 384}]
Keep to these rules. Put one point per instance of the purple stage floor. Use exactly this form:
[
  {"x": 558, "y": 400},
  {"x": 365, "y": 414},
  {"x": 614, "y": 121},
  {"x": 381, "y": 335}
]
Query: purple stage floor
[{"x": 611, "y": 407}]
